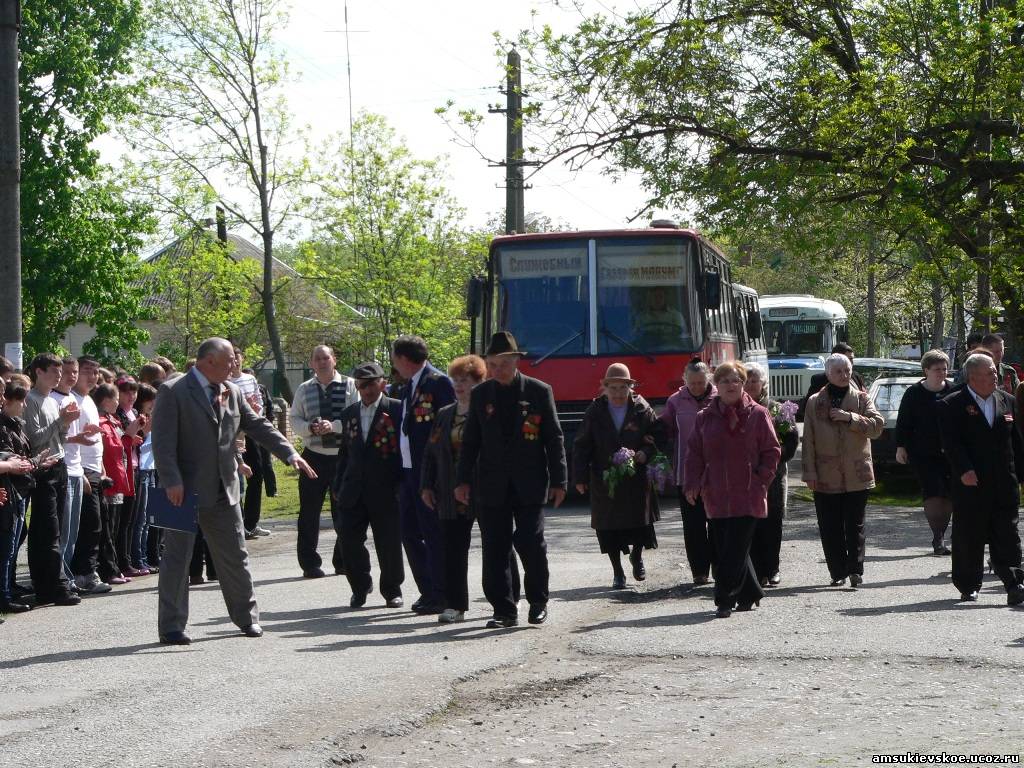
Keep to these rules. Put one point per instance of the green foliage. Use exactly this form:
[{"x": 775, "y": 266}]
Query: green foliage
[
  {"x": 389, "y": 242},
  {"x": 80, "y": 232}
]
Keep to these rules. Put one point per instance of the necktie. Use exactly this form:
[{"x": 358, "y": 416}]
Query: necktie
[{"x": 215, "y": 398}]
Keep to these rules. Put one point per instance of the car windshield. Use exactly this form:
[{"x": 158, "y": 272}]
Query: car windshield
[
  {"x": 544, "y": 296},
  {"x": 888, "y": 396},
  {"x": 645, "y": 301}
]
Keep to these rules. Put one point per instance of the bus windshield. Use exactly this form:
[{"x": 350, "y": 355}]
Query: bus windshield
[
  {"x": 798, "y": 337},
  {"x": 645, "y": 297},
  {"x": 544, "y": 296}
]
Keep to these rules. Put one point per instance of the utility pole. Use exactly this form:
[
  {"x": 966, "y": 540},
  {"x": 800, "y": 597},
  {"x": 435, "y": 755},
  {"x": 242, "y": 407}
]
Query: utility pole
[
  {"x": 10, "y": 181},
  {"x": 515, "y": 208}
]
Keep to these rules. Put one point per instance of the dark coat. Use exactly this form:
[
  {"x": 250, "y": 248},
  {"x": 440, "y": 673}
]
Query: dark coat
[
  {"x": 529, "y": 461},
  {"x": 433, "y": 392},
  {"x": 439, "y": 469},
  {"x": 635, "y": 503},
  {"x": 996, "y": 453},
  {"x": 780, "y": 485},
  {"x": 369, "y": 469}
]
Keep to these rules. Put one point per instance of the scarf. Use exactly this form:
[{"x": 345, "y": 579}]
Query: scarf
[{"x": 836, "y": 395}]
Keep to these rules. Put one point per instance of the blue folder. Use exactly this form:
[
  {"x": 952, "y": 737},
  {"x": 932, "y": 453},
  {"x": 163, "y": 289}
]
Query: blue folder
[{"x": 162, "y": 514}]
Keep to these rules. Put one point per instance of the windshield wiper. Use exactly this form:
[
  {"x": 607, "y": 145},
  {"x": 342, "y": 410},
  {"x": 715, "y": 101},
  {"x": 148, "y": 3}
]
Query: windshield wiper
[
  {"x": 561, "y": 346},
  {"x": 628, "y": 345}
]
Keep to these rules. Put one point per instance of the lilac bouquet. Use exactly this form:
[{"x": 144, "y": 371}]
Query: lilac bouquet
[
  {"x": 783, "y": 417},
  {"x": 623, "y": 466},
  {"x": 659, "y": 471}
]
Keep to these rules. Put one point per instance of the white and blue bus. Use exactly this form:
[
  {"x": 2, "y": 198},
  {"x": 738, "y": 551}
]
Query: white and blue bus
[{"x": 799, "y": 331}]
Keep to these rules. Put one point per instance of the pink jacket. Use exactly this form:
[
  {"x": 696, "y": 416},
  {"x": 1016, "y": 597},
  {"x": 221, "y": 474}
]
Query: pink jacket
[
  {"x": 680, "y": 415},
  {"x": 732, "y": 472}
]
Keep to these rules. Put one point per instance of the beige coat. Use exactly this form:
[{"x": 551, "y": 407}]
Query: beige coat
[{"x": 837, "y": 455}]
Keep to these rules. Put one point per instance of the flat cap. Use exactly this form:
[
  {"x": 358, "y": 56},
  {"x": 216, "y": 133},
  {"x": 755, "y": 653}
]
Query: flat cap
[{"x": 368, "y": 370}]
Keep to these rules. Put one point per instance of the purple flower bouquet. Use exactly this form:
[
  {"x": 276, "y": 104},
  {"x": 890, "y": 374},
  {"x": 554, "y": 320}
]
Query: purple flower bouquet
[
  {"x": 784, "y": 417},
  {"x": 623, "y": 466}
]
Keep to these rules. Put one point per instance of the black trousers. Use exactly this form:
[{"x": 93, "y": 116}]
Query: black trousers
[
  {"x": 978, "y": 521},
  {"x": 697, "y": 537},
  {"x": 90, "y": 527},
  {"x": 456, "y": 536},
  {"x": 735, "y": 580},
  {"x": 201, "y": 556},
  {"x": 258, "y": 459},
  {"x": 311, "y": 503},
  {"x": 841, "y": 526},
  {"x": 45, "y": 563},
  {"x": 123, "y": 532},
  {"x": 501, "y": 528},
  {"x": 767, "y": 543},
  {"x": 107, "y": 564},
  {"x": 383, "y": 520}
]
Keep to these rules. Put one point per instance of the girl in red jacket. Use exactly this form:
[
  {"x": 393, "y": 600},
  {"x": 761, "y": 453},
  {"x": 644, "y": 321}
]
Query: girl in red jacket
[{"x": 117, "y": 483}]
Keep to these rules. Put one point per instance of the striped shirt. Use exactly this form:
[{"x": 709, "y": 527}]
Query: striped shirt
[{"x": 315, "y": 401}]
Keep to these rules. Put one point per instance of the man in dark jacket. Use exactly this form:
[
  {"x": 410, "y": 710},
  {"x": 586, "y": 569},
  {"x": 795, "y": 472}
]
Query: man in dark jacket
[
  {"x": 366, "y": 488},
  {"x": 986, "y": 454},
  {"x": 512, "y": 431}
]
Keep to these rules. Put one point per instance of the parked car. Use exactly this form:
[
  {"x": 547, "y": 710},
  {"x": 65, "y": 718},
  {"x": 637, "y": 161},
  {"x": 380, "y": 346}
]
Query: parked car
[
  {"x": 871, "y": 368},
  {"x": 886, "y": 392}
]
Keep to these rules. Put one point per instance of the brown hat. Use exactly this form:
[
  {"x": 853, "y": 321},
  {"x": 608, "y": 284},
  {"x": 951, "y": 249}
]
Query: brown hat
[
  {"x": 503, "y": 343},
  {"x": 618, "y": 372}
]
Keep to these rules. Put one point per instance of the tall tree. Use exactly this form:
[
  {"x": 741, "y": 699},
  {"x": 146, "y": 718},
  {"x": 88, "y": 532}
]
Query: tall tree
[
  {"x": 389, "y": 241},
  {"x": 81, "y": 233},
  {"x": 754, "y": 109},
  {"x": 216, "y": 115}
]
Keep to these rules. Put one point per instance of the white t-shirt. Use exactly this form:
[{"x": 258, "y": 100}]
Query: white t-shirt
[
  {"x": 91, "y": 456},
  {"x": 250, "y": 391},
  {"x": 72, "y": 457}
]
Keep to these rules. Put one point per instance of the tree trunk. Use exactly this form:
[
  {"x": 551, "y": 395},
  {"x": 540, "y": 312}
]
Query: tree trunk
[
  {"x": 872, "y": 350},
  {"x": 283, "y": 386},
  {"x": 938, "y": 319}
]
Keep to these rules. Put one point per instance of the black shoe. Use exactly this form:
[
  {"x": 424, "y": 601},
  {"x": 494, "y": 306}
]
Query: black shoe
[
  {"x": 748, "y": 606},
  {"x": 358, "y": 600},
  {"x": 1015, "y": 596},
  {"x": 193, "y": 580},
  {"x": 701, "y": 580},
  {"x": 427, "y": 609},
  {"x": 394, "y": 602},
  {"x": 619, "y": 581},
  {"x": 252, "y": 630},
  {"x": 636, "y": 557},
  {"x": 175, "y": 638},
  {"x": 13, "y": 606},
  {"x": 775, "y": 579},
  {"x": 723, "y": 612},
  {"x": 969, "y": 597},
  {"x": 314, "y": 573},
  {"x": 340, "y": 572},
  {"x": 19, "y": 591},
  {"x": 66, "y": 599},
  {"x": 502, "y": 622},
  {"x": 856, "y": 580},
  {"x": 211, "y": 577},
  {"x": 538, "y": 613},
  {"x": 838, "y": 582}
]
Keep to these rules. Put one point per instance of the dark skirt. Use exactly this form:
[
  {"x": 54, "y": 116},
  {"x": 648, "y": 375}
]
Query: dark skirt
[
  {"x": 621, "y": 539},
  {"x": 933, "y": 473}
]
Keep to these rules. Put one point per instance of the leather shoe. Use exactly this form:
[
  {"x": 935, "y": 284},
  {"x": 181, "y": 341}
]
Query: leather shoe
[
  {"x": 748, "y": 606},
  {"x": 723, "y": 612},
  {"x": 501, "y": 622},
  {"x": 394, "y": 602},
  {"x": 538, "y": 613},
  {"x": 1015, "y": 596},
  {"x": 14, "y": 607},
  {"x": 358, "y": 600},
  {"x": 619, "y": 581},
  {"x": 838, "y": 582},
  {"x": 636, "y": 557},
  {"x": 775, "y": 580},
  {"x": 427, "y": 609},
  {"x": 969, "y": 597},
  {"x": 856, "y": 580},
  {"x": 69, "y": 599},
  {"x": 701, "y": 580},
  {"x": 314, "y": 573},
  {"x": 175, "y": 638},
  {"x": 252, "y": 630},
  {"x": 193, "y": 580}
]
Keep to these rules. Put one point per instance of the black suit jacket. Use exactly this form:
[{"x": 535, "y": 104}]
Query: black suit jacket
[
  {"x": 529, "y": 461},
  {"x": 433, "y": 392},
  {"x": 369, "y": 466},
  {"x": 996, "y": 453}
]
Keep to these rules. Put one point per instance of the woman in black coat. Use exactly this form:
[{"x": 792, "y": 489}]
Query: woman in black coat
[
  {"x": 918, "y": 444},
  {"x": 624, "y": 522},
  {"x": 767, "y": 544}
]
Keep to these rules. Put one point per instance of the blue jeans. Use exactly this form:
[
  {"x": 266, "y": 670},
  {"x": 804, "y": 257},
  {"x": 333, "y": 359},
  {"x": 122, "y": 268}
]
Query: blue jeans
[
  {"x": 70, "y": 520},
  {"x": 140, "y": 529},
  {"x": 13, "y": 514}
]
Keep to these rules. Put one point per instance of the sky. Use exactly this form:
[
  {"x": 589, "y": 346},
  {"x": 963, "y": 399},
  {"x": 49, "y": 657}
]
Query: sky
[{"x": 409, "y": 57}]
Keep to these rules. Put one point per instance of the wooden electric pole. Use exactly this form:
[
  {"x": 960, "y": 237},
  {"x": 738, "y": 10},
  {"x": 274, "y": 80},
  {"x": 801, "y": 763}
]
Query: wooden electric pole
[
  {"x": 515, "y": 208},
  {"x": 10, "y": 180}
]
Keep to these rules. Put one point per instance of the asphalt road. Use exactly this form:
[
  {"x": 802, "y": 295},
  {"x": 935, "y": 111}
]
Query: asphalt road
[{"x": 816, "y": 676}]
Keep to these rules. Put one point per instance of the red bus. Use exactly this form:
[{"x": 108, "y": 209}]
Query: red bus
[{"x": 577, "y": 301}]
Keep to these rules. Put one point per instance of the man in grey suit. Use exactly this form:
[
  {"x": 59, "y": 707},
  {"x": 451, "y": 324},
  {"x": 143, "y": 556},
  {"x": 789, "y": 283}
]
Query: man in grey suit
[{"x": 196, "y": 421}]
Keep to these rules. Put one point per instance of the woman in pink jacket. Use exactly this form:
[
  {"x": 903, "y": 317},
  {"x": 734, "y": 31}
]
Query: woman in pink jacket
[
  {"x": 680, "y": 415},
  {"x": 731, "y": 459}
]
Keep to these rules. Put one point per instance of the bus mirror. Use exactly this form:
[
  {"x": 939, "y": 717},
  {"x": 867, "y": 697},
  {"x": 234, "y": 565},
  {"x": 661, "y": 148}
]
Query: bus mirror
[
  {"x": 474, "y": 297},
  {"x": 712, "y": 290},
  {"x": 754, "y": 329}
]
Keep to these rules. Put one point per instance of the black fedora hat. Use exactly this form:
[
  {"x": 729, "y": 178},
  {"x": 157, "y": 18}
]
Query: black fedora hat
[{"x": 503, "y": 343}]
